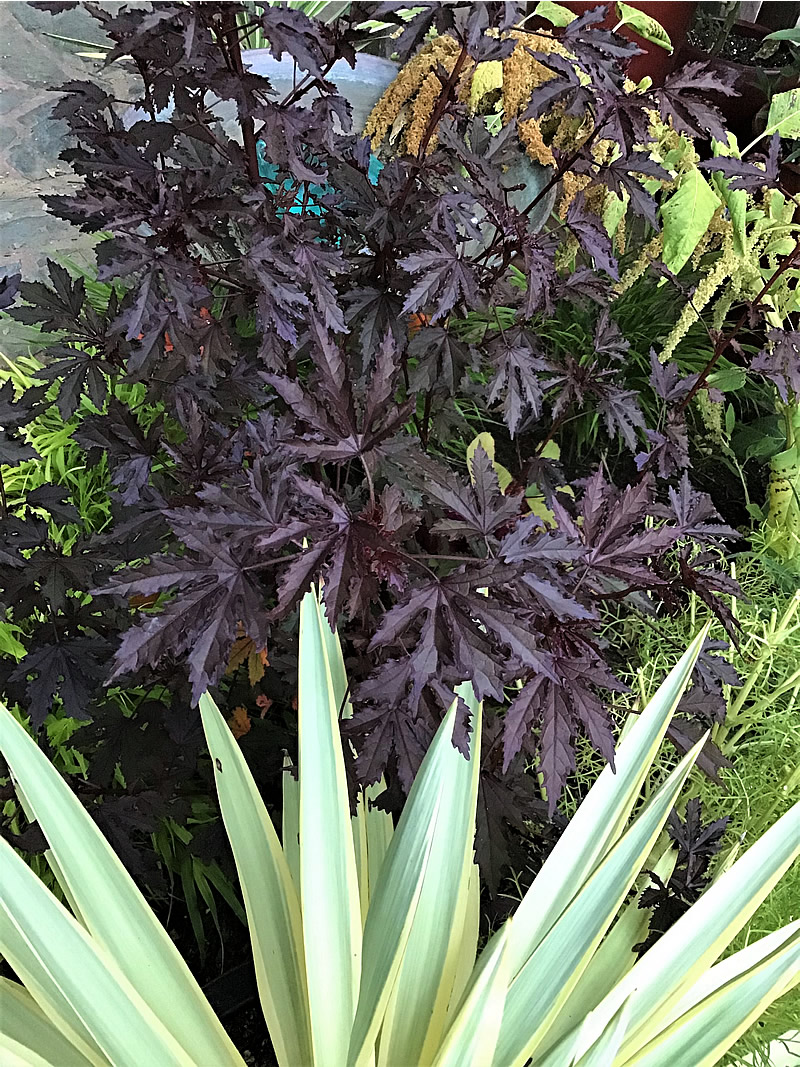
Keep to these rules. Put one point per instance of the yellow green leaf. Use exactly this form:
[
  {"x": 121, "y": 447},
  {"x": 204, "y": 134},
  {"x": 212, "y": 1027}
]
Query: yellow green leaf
[
  {"x": 270, "y": 897},
  {"x": 331, "y": 919},
  {"x": 685, "y": 218},
  {"x": 645, "y": 25},
  {"x": 486, "y": 442},
  {"x": 487, "y": 78},
  {"x": 784, "y": 114},
  {"x": 556, "y": 14}
]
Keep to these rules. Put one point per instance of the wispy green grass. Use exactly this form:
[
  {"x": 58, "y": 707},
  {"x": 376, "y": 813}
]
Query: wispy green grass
[{"x": 761, "y": 737}]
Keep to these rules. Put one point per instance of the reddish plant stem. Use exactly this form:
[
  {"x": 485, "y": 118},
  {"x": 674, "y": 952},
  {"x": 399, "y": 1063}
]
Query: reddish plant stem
[
  {"x": 565, "y": 166},
  {"x": 306, "y": 84},
  {"x": 436, "y": 115},
  {"x": 233, "y": 52},
  {"x": 559, "y": 174},
  {"x": 554, "y": 428},
  {"x": 725, "y": 340}
]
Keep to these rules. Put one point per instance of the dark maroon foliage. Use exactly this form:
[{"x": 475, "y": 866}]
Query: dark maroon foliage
[
  {"x": 697, "y": 844},
  {"x": 781, "y": 363},
  {"x": 745, "y": 174},
  {"x": 302, "y": 347}
]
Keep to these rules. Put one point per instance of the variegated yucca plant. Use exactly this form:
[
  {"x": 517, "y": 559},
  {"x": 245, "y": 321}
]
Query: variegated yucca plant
[{"x": 365, "y": 936}]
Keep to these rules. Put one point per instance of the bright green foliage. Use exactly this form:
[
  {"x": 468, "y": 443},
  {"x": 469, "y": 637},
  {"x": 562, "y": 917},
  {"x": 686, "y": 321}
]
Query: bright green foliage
[
  {"x": 735, "y": 199},
  {"x": 784, "y": 114},
  {"x": 60, "y": 461},
  {"x": 556, "y": 14},
  {"x": 200, "y": 882},
  {"x": 783, "y": 493},
  {"x": 748, "y": 242},
  {"x": 686, "y": 216},
  {"x": 386, "y": 973}
]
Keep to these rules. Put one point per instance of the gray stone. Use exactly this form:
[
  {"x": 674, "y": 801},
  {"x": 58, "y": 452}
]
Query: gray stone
[{"x": 32, "y": 66}]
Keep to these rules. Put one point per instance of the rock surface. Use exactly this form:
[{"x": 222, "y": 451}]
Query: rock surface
[{"x": 32, "y": 65}]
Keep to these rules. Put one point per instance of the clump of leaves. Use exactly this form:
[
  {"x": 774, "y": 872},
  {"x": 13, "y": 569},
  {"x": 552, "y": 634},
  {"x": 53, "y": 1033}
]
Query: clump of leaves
[{"x": 301, "y": 349}]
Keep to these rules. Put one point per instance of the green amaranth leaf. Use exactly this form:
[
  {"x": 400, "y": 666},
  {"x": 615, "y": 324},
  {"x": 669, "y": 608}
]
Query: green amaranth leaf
[
  {"x": 486, "y": 442},
  {"x": 685, "y": 217},
  {"x": 555, "y": 13},
  {"x": 791, "y": 34},
  {"x": 735, "y": 199},
  {"x": 487, "y": 77},
  {"x": 728, "y": 380},
  {"x": 784, "y": 114},
  {"x": 645, "y": 25},
  {"x": 613, "y": 211}
]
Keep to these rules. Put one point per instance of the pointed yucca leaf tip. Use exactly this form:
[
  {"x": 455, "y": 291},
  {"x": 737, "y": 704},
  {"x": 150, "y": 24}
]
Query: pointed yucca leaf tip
[
  {"x": 331, "y": 919},
  {"x": 211, "y": 717},
  {"x": 269, "y": 891},
  {"x": 207, "y": 704}
]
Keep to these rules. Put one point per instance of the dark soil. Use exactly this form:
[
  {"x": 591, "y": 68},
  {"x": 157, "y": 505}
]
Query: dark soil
[
  {"x": 228, "y": 982},
  {"x": 234, "y": 997},
  {"x": 742, "y": 46},
  {"x": 249, "y": 1033}
]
